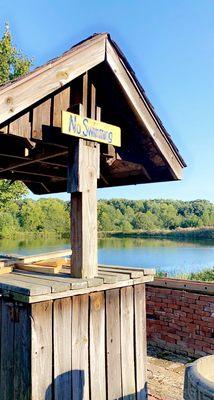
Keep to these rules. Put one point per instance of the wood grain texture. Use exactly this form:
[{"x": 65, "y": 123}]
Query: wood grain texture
[
  {"x": 61, "y": 103},
  {"x": 41, "y": 116},
  {"x": 22, "y": 356},
  {"x": 86, "y": 171},
  {"x": 21, "y": 126},
  {"x": 41, "y": 351},
  {"x": 50, "y": 77},
  {"x": 62, "y": 349},
  {"x": 7, "y": 351},
  {"x": 53, "y": 285},
  {"x": 127, "y": 343},
  {"x": 80, "y": 359},
  {"x": 10, "y": 283},
  {"x": 140, "y": 341},
  {"x": 97, "y": 346},
  {"x": 113, "y": 345}
]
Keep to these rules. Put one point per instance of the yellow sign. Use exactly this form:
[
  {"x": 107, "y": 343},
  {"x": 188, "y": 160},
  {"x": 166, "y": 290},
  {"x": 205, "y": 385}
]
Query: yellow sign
[{"x": 90, "y": 129}]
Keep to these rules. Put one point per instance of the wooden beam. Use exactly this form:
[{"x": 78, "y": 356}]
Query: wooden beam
[
  {"x": 37, "y": 173},
  {"x": 38, "y": 158},
  {"x": 26, "y": 91},
  {"x": 85, "y": 173}
]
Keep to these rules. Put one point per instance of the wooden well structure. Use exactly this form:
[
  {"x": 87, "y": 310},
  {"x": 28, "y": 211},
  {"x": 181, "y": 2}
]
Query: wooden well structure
[{"x": 80, "y": 333}]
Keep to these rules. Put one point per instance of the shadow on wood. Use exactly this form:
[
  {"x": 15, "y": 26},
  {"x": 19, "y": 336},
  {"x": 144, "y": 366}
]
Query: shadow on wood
[
  {"x": 67, "y": 386},
  {"x": 75, "y": 380},
  {"x": 141, "y": 395}
]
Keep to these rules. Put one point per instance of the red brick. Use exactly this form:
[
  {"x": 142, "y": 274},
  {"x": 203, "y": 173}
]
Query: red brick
[
  {"x": 192, "y": 295},
  {"x": 208, "y": 319},
  {"x": 186, "y": 309},
  {"x": 167, "y": 338},
  {"x": 208, "y": 350},
  {"x": 209, "y": 340},
  {"x": 176, "y": 326},
  {"x": 206, "y": 298},
  {"x": 189, "y": 328},
  {"x": 185, "y": 321},
  {"x": 202, "y": 303},
  {"x": 180, "y": 313}
]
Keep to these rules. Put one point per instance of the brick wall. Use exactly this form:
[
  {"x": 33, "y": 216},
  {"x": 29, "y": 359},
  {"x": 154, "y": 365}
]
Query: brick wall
[{"x": 180, "y": 321}]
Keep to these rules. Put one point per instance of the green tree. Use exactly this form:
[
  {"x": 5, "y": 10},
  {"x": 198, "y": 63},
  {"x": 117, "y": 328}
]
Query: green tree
[
  {"x": 145, "y": 221},
  {"x": 11, "y": 192},
  {"x": 13, "y": 63}
]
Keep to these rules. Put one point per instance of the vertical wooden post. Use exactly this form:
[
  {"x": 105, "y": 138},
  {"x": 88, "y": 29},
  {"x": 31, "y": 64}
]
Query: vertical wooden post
[{"x": 85, "y": 172}]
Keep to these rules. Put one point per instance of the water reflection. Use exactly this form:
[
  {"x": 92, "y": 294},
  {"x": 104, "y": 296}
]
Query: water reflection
[{"x": 171, "y": 256}]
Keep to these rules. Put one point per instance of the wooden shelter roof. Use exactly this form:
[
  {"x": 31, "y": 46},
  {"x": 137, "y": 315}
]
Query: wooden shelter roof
[{"x": 32, "y": 147}]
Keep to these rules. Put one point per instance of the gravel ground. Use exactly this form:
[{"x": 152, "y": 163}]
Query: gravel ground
[{"x": 165, "y": 374}]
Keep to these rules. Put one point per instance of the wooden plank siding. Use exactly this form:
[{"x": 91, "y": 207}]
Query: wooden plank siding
[
  {"x": 85, "y": 347},
  {"x": 50, "y": 77}
]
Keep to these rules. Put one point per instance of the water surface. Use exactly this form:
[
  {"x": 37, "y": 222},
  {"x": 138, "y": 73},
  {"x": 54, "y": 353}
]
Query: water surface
[{"x": 171, "y": 256}]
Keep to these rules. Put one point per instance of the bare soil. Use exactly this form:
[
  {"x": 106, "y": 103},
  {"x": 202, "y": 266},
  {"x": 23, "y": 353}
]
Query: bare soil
[{"x": 165, "y": 372}]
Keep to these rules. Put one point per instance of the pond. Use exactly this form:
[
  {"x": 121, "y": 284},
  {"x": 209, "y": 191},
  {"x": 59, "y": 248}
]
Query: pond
[{"x": 171, "y": 256}]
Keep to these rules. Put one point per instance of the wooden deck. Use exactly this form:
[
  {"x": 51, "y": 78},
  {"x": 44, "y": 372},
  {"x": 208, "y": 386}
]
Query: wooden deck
[
  {"x": 79, "y": 338},
  {"x": 31, "y": 287},
  {"x": 48, "y": 276}
]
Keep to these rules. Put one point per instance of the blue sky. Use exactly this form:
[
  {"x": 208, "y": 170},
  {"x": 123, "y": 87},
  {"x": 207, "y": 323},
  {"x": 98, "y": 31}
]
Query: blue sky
[{"x": 170, "y": 45}]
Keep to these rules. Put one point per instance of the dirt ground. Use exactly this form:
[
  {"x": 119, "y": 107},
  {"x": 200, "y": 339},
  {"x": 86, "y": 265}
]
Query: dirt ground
[{"x": 165, "y": 374}]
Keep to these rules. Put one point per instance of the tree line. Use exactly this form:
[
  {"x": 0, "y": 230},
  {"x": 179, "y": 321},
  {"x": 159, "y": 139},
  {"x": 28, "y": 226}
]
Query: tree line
[
  {"x": 20, "y": 215},
  {"x": 148, "y": 215}
]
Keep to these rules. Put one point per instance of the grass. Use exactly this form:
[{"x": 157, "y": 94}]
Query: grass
[
  {"x": 179, "y": 233},
  {"x": 207, "y": 275}
]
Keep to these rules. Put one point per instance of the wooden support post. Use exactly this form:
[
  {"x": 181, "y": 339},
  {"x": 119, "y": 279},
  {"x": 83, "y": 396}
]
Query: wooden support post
[{"x": 83, "y": 186}]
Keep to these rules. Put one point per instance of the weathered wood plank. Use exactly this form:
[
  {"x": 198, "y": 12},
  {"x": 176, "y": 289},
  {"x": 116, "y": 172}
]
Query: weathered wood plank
[
  {"x": 7, "y": 351},
  {"x": 134, "y": 273},
  {"x": 120, "y": 275},
  {"x": 140, "y": 341},
  {"x": 113, "y": 347},
  {"x": 55, "y": 262},
  {"x": 108, "y": 278},
  {"x": 86, "y": 171},
  {"x": 72, "y": 283},
  {"x": 93, "y": 101},
  {"x": 37, "y": 268},
  {"x": 62, "y": 349},
  {"x": 40, "y": 257},
  {"x": 55, "y": 286},
  {"x": 21, "y": 126},
  {"x": 5, "y": 270},
  {"x": 41, "y": 351},
  {"x": 184, "y": 284},
  {"x": 61, "y": 103},
  {"x": 22, "y": 359},
  {"x": 50, "y": 77},
  {"x": 127, "y": 346},
  {"x": 80, "y": 356},
  {"x": 97, "y": 346},
  {"x": 41, "y": 116},
  {"x": 9, "y": 283},
  {"x": 75, "y": 292}
]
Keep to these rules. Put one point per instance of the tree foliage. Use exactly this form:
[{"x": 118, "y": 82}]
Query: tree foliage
[
  {"x": 13, "y": 63},
  {"x": 20, "y": 215},
  {"x": 128, "y": 215}
]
